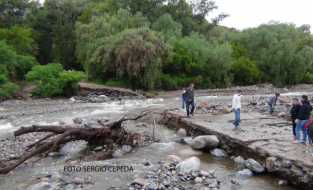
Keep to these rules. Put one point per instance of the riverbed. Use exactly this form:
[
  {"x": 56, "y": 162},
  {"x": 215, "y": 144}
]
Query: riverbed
[{"x": 15, "y": 114}]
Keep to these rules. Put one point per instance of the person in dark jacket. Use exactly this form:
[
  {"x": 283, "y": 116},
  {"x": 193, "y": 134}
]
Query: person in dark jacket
[
  {"x": 190, "y": 100},
  {"x": 302, "y": 118},
  {"x": 294, "y": 111}
]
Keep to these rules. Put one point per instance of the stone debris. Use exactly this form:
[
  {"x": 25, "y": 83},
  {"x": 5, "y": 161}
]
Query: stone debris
[
  {"x": 181, "y": 133},
  {"x": 240, "y": 161},
  {"x": 167, "y": 176},
  {"x": 205, "y": 142},
  {"x": 254, "y": 166},
  {"x": 244, "y": 173},
  {"x": 188, "y": 165},
  {"x": 219, "y": 153}
]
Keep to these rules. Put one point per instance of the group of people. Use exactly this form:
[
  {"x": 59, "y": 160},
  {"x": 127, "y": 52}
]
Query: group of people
[
  {"x": 301, "y": 122},
  {"x": 300, "y": 112}
]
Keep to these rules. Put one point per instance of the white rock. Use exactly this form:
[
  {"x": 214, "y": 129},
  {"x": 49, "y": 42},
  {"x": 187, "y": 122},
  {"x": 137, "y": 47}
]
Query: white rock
[
  {"x": 188, "y": 165},
  {"x": 41, "y": 186},
  {"x": 239, "y": 160},
  {"x": 282, "y": 182},
  {"x": 127, "y": 148},
  {"x": 218, "y": 153},
  {"x": 181, "y": 133},
  {"x": 173, "y": 158},
  {"x": 118, "y": 153},
  {"x": 245, "y": 173},
  {"x": 140, "y": 181},
  {"x": 254, "y": 166},
  {"x": 207, "y": 141},
  {"x": 198, "y": 180},
  {"x": 270, "y": 163}
]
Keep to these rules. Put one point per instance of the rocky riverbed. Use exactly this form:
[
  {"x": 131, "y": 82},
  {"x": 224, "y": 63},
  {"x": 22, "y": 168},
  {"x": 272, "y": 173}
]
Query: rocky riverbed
[{"x": 150, "y": 161}]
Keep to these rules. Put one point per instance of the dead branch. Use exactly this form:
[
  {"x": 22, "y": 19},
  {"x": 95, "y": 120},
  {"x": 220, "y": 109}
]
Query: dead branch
[{"x": 109, "y": 133}]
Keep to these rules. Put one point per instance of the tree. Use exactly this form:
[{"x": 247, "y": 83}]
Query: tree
[
  {"x": 278, "y": 50},
  {"x": 21, "y": 38},
  {"x": 135, "y": 55},
  {"x": 14, "y": 12},
  {"x": 168, "y": 27},
  {"x": 99, "y": 31},
  {"x": 245, "y": 72}
]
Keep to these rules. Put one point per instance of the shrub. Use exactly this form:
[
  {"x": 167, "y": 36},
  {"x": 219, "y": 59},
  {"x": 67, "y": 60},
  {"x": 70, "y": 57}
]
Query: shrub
[
  {"x": 51, "y": 80},
  {"x": 168, "y": 83},
  {"x": 7, "y": 89},
  {"x": 69, "y": 81},
  {"x": 245, "y": 72}
]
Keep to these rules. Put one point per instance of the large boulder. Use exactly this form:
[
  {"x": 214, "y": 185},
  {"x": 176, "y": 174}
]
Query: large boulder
[
  {"x": 254, "y": 166},
  {"x": 188, "y": 165},
  {"x": 206, "y": 141}
]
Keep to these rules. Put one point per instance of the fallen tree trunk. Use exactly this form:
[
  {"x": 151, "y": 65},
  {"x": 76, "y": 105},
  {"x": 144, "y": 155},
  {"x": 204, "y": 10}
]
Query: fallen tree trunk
[{"x": 109, "y": 133}]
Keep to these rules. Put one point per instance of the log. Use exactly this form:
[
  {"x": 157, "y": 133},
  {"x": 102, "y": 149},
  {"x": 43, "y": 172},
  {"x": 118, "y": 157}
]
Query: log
[{"x": 111, "y": 132}]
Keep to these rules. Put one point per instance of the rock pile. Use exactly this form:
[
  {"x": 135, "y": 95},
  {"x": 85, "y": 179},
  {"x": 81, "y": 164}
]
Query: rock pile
[{"x": 169, "y": 175}]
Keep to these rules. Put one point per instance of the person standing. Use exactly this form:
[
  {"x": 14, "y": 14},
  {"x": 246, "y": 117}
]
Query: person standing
[
  {"x": 303, "y": 117},
  {"x": 236, "y": 107},
  {"x": 294, "y": 111},
  {"x": 190, "y": 100},
  {"x": 272, "y": 102}
]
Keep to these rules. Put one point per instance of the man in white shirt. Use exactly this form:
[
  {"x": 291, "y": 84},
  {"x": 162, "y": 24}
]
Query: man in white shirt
[{"x": 236, "y": 107}]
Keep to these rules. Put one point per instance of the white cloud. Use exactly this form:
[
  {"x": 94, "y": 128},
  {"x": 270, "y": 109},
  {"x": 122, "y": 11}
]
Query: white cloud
[{"x": 251, "y": 13}]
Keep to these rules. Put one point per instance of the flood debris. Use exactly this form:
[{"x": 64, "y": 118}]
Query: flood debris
[
  {"x": 168, "y": 175},
  {"x": 110, "y": 132}
]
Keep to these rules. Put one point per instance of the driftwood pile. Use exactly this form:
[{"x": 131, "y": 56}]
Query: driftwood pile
[{"x": 110, "y": 133}]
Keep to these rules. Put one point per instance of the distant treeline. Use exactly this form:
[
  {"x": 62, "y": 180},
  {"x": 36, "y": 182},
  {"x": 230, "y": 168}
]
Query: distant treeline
[{"x": 142, "y": 44}]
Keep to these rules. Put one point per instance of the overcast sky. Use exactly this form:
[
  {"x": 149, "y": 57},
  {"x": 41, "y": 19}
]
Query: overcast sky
[{"x": 251, "y": 13}]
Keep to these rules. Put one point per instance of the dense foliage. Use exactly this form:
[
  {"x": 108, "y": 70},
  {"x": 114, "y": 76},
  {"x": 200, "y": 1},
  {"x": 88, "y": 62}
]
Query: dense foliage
[
  {"x": 143, "y": 44},
  {"x": 51, "y": 80}
]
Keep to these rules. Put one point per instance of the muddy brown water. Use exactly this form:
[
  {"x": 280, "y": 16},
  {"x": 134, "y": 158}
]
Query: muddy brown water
[{"x": 18, "y": 113}]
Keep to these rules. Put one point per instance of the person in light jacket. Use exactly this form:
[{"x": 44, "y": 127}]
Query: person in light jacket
[{"x": 236, "y": 107}]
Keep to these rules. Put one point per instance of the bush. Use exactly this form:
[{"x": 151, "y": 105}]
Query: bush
[
  {"x": 70, "y": 80},
  {"x": 7, "y": 89},
  {"x": 245, "y": 72},
  {"x": 51, "y": 80}
]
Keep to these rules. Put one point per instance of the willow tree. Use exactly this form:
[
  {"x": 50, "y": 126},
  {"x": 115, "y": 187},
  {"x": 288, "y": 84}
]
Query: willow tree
[{"x": 134, "y": 55}]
